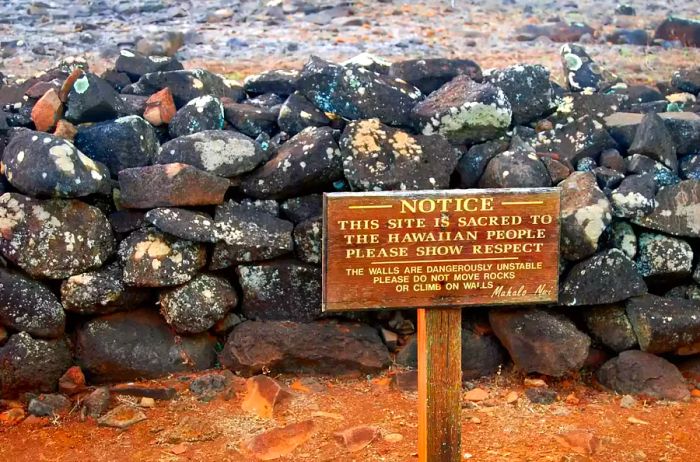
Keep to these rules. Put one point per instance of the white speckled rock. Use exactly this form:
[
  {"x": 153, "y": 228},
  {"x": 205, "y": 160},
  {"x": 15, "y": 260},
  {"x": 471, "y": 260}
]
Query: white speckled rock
[
  {"x": 663, "y": 256},
  {"x": 677, "y": 211},
  {"x": 665, "y": 325}
]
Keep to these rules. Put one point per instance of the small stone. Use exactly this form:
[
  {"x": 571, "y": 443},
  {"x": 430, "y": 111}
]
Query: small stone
[
  {"x": 122, "y": 416},
  {"x": 357, "y": 438},
  {"x": 541, "y": 395},
  {"x": 663, "y": 256},
  {"x": 144, "y": 391},
  {"x": 393, "y": 438},
  {"x": 262, "y": 394},
  {"x": 92, "y": 99},
  {"x": 475, "y": 395},
  {"x": 170, "y": 185},
  {"x": 12, "y": 416},
  {"x": 653, "y": 139},
  {"x": 512, "y": 397},
  {"x": 635, "y": 197},
  {"x": 210, "y": 384},
  {"x": 515, "y": 167},
  {"x": 610, "y": 325},
  {"x": 134, "y": 64},
  {"x": 97, "y": 402},
  {"x": 251, "y": 120},
  {"x": 528, "y": 90},
  {"x": 628, "y": 402},
  {"x": 182, "y": 223},
  {"x": 160, "y": 108},
  {"x": 147, "y": 402},
  {"x": 307, "y": 240},
  {"x": 406, "y": 381},
  {"x": 47, "y": 111},
  {"x": 72, "y": 381},
  {"x": 582, "y": 73},
  {"x": 65, "y": 130},
  {"x": 534, "y": 383},
  {"x": 279, "y": 442},
  {"x": 582, "y": 442},
  {"x": 297, "y": 113},
  {"x": 432, "y": 73},
  {"x": 277, "y": 81},
  {"x": 49, "y": 405}
]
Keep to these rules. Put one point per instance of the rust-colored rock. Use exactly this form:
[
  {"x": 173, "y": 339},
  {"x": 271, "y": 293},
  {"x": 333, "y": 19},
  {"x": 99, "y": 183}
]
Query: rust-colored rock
[
  {"x": 278, "y": 442},
  {"x": 12, "y": 416},
  {"x": 47, "y": 111},
  {"x": 121, "y": 417},
  {"x": 476, "y": 394},
  {"x": 170, "y": 184},
  {"x": 72, "y": 382},
  {"x": 580, "y": 441},
  {"x": 68, "y": 84},
  {"x": 262, "y": 395},
  {"x": 65, "y": 130},
  {"x": 357, "y": 438},
  {"x": 160, "y": 108}
]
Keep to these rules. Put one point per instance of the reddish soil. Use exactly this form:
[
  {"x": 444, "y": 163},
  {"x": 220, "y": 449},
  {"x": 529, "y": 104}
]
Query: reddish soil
[{"x": 186, "y": 429}]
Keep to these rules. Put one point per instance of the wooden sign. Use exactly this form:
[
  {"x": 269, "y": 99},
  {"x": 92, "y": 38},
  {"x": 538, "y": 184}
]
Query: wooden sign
[{"x": 440, "y": 248}]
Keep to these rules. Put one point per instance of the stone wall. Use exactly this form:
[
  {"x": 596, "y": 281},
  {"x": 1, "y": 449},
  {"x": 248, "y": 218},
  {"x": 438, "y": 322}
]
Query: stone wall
[{"x": 156, "y": 220}]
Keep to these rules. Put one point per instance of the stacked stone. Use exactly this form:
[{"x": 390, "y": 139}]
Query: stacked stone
[{"x": 158, "y": 186}]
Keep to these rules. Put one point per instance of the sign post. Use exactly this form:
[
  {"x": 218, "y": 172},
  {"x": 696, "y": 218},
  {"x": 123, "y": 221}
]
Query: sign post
[{"x": 439, "y": 251}]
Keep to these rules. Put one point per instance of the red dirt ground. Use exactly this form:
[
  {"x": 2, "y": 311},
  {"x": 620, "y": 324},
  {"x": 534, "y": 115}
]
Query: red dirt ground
[{"x": 186, "y": 429}]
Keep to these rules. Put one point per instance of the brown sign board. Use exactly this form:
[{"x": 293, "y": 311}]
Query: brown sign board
[{"x": 449, "y": 248}]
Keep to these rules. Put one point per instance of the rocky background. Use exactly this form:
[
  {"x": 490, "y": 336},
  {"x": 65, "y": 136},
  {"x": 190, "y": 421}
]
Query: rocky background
[{"x": 155, "y": 220}]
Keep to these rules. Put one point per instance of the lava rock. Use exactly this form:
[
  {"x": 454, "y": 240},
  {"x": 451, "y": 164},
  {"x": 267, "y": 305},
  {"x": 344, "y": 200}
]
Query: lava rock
[
  {"x": 558, "y": 172},
  {"x": 26, "y": 305},
  {"x": 357, "y": 93},
  {"x": 690, "y": 167},
  {"x": 606, "y": 277},
  {"x": 663, "y": 256},
  {"x": 379, "y": 157},
  {"x": 582, "y": 73},
  {"x": 316, "y": 347},
  {"x": 170, "y": 185},
  {"x": 585, "y": 213},
  {"x": 609, "y": 325},
  {"x": 584, "y": 137},
  {"x": 528, "y": 90},
  {"x": 135, "y": 64},
  {"x": 138, "y": 344},
  {"x": 50, "y": 239},
  {"x": 248, "y": 234},
  {"x": 200, "y": 114},
  {"x": 637, "y": 372},
  {"x": 677, "y": 211},
  {"x": 43, "y": 165},
  {"x": 623, "y": 237},
  {"x": 635, "y": 197},
  {"x": 298, "y": 209},
  {"x": 251, "y": 120},
  {"x": 608, "y": 179},
  {"x": 541, "y": 341},
  {"x": 559, "y": 31},
  {"x": 153, "y": 259},
  {"x": 280, "y": 290},
  {"x": 197, "y": 305},
  {"x": 92, "y": 99},
  {"x": 309, "y": 161},
  {"x": 160, "y": 108},
  {"x": 686, "y": 31},
  {"x": 222, "y": 153},
  {"x": 182, "y": 223},
  {"x": 519, "y": 168},
  {"x": 186, "y": 85},
  {"x": 643, "y": 165},
  {"x": 464, "y": 111},
  {"x": 32, "y": 365},
  {"x": 47, "y": 111},
  {"x": 665, "y": 325},
  {"x": 471, "y": 165},
  {"x": 653, "y": 140},
  {"x": 277, "y": 81},
  {"x": 100, "y": 292},
  {"x": 308, "y": 240},
  {"x": 629, "y": 37},
  {"x": 123, "y": 143},
  {"x": 686, "y": 80},
  {"x": 432, "y": 73},
  {"x": 297, "y": 113}
]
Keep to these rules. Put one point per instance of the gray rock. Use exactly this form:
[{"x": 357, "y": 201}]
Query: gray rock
[
  {"x": 528, "y": 90},
  {"x": 198, "y": 304},
  {"x": 32, "y": 365},
  {"x": 609, "y": 325},
  {"x": 473, "y": 162},
  {"x": 199, "y": 114},
  {"x": 515, "y": 168},
  {"x": 26, "y": 305},
  {"x": 541, "y": 341},
  {"x": 308, "y": 240},
  {"x": 606, "y": 277},
  {"x": 246, "y": 234},
  {"x": 223, "y": 153},
  {"x": 183, "y": 223},
  {"x": 308, "y": 162},
  {"x": 43, "y": 165},
  {"x": 298, "y": 209},
  {"x": 432, "y": 73},
  {"x": 153, "y": 259},
  {"x": 92, "y": 99},
  {"x": 97, "y": 402},
  {"x": 50, "y": 239},
  {"x": 297, "y": 113},
  {"x": 316, "y": 347},
  {"x": 49, "y": 405},
  {"x": 378, "y": 157},
  {"x": 100, "y": 292},
  {"x": 652, "y": 139},
  {"x": 585, "y": 213},
  {"x": 635, "y": 197},
  {"x": 637, "y": 372},
  {"x": 464, "y": 111},
  {"x": 280, "y": 290},
  {"x": 146, "y": 348},
  {"x": 623, "y": 237},
  {"x": 665, "y": 325}
]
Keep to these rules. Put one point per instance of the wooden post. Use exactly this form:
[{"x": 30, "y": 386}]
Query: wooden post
[{"x": 439, "y": 384}]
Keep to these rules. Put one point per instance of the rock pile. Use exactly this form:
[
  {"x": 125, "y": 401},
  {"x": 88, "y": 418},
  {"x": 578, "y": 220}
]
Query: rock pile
[{"x": 155, "y": 185}]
